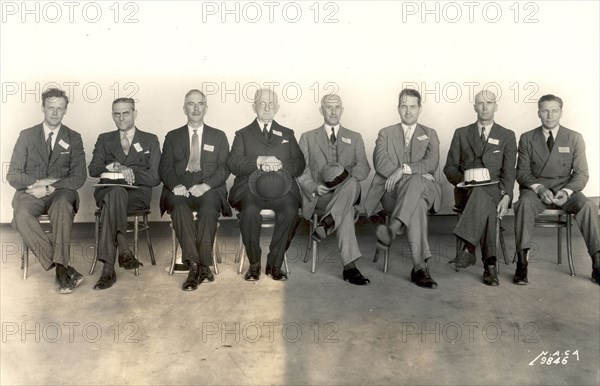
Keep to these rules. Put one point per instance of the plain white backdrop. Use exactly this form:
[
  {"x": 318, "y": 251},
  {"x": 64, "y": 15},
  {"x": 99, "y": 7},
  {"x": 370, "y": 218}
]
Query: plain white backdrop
[{"x": 155, "y": 51}]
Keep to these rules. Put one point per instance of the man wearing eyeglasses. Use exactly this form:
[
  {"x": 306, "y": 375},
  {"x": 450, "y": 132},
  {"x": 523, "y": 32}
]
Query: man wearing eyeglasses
[{"x": 265, "y": 145}]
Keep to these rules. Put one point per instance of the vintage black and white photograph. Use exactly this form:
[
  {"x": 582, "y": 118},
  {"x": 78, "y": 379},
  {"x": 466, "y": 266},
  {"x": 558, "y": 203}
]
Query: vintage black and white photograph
[{"x": 300, "y": 192}]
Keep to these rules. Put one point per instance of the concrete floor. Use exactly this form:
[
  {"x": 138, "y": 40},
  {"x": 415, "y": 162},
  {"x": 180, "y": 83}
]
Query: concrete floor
[{"x": 312, "y": 329}]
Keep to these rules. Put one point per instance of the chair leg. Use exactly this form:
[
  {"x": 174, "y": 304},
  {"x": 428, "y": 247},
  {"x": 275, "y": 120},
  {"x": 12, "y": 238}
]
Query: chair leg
[
  {"x": 96, "y": 243},
  {"x": 241, "y": 254},
  {"x": 386, "y": 259},
  {"x": 570, "y": 246},
  {"x": 311, "y": 228},
  {"x": 173, "y": 249},
  {"x": 559, "y": 244},
  {"x": 287, "y": 269},
  {"x": 25, "y": 261},
  {"x": 214, "y": 256},
  {"x": 135, "y": 241},
  {"x": 150, "y": 249}
]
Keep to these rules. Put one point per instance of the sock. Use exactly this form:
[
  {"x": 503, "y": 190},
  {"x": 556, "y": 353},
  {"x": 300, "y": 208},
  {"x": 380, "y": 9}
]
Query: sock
[
  {"x": 349, "y": 266},
  {"x": 108, "y": 268},
  {"x": 489, "y": 261},
  {"x": 60, "y": 270},
  {"x": 420, "y": 266}
]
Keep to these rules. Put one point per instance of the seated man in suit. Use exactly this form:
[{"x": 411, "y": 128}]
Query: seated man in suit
[
  {"x": 323, "y": 148},
  {"x": 135, "y": 154},
  {"x": 193, "y": 168},
  {"x": 265, "y": 145},
  {"x": 46, "y": 168},
  {"x": 552, "y": 171},
  {"x": 483, "y": 144},
  {"x": 405, "y": 158}
]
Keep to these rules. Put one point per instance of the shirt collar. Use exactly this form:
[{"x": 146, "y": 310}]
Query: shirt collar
[
  {"x": 47, "y": 130},
  {"x": 554, "y": 131},
  {"x": 336, "y": 129},
  {"x": 411, "y": 127},
  {"x": 129, "y": 134},
  {"x": 262, "y": 124}
]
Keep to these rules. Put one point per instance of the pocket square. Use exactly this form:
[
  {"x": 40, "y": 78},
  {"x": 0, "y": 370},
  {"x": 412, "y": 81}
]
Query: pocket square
[
  {"x": 65, "y": 152},
  {"x": 496, "y": 151},
  {"x": 285, "y": 141},
  {"x": 147, "y": 152}
]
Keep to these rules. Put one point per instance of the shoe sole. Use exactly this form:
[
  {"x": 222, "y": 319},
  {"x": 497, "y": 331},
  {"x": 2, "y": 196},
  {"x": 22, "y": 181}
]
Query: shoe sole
[{"x": 78, "y": 281}]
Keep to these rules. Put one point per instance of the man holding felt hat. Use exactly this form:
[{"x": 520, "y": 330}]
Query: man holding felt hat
[
  {"x": 46, "y": 168},
  {"x": 193, "y": 168},
  {"x": 130, "y": 158},
  {"x": 267, "y": 155},
  {"x": 335, "y": 164},
  {"x": 552, "y": 171},
  {"x": 479, "y": 146},
  {"x": 405, "y": 158}
]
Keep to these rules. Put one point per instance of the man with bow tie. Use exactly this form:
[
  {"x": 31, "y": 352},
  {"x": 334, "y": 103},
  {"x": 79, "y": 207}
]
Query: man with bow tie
[
  {"x": 552, "y": 171},
  {"x": 323, "y": 147},
  {"x": 136, "y": 155},
  {"x": 265, "y": 145},
  {"x": 405, "y": 158},
  {"x": 193, "y": 168},
  {"x": 46, "y": 168},
  {"x": 481, "y": 145}
]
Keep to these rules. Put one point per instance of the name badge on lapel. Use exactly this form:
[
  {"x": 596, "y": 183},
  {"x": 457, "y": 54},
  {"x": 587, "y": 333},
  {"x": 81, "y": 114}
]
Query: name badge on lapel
[
  {"x": 63, "y": 144},
  {"x": 209, "y": 147},
  {"x": 422, "y": 137},
  {"x": 347, "y": 140},
  {"x": 493, "y": 141},
  {"x": 277, "y": 132},
  {"x": 564, "y": 149},
  {"x": 137, "y": 147}
]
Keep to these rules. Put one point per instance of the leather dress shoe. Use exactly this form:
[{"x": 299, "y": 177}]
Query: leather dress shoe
[
  {"x": 596, "y": 275},
  {"x": 76, "y": 277},
  {"x": 463, "y": 260},
  {"x": 191, "y": 283},
  {"x": 127, "y": 260},
  {"x": 422, "y": 278},
  {"x": 107, "y": 279},
  {"x": 64, "y": 285},
  {"x": 354, "y": 276},
  {"x": 205, "y": 275},
  {"x": 490, "y": 276},
  {"x": 253, "y": 272},
  {"x": 319, "y": 233},
  {"x": 276, "y": 273},
  {"x": 520, "y": 277}
]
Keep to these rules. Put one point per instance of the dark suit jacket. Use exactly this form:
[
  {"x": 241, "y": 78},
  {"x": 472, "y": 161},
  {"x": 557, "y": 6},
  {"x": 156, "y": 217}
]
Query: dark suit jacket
[
  {"x": 499, "y": 156},
  {"x": 29, "y": 161},
  {"x": 389, "y": 155},
  {"x": 214, "y": 151},
  {"x": 143, "y": 159},
  {"x": 315, "y": 147},
  {"x": 249, "y": 143},
  {"x": 565, "y": 167}
]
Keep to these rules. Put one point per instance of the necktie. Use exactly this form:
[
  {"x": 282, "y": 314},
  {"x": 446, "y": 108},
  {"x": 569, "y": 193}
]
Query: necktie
[
  {"x": 194, "y": 162},
  {"x": 49, "y": 144},
  {"x": 125, "y": 143},
  {"x": 550, "y": 141},
  {"x": 483, "y": 140},
  {"x": 407, "y": 137},
  {"x": 332, "y": 138},
  {"x": 265, "y": 131}
]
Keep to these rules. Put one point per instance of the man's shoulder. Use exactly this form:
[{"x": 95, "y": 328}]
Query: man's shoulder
[
  {"x": 464, "y": 129},
  {"x": 391, "y": 128},
  {"x": 147, "y": 134},
  {"x": 213, "y": 131},
  {"x": 427, "y": 129},
  {"x": 351, "y": 133},
  {"x": 503, "y": 129},
  {"x": 284, "y": 130},
  {"x": 32, "y": 130}
]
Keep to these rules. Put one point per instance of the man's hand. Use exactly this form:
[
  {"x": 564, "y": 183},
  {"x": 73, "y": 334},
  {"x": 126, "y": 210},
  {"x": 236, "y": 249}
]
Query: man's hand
[
  {"x": 545, "y": 195},
  {"x": 502, "y": 207},
  {"x": 128, "y": 174},
  {"x": 561, "y": 198},
  {"x": 39, "y": 191},
  {"x": 43, "y": 182},
  {"x": 199, "y": 190},
  {"x": 322, "y": 190},
  {"x": 268, "y": 163},
  {"x": 391, "y": 181},
  {"x": 180, "y": 190}
]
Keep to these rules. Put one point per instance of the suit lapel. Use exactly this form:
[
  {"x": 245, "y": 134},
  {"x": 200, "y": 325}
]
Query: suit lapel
[
  {"x": 398, "y": 143},
  {"x": 342, "y": 147},
  {"x": 416, "y": 145},
  {"x": 539, "y": 144},
  {"x": 323, "y": 141},
  {"x": 258, "y": 131},
  {"x": 474, "y": 140},
  {"x": 40, "y": 143},
  {"x": 60, "y": 136},
  {"x": 115, "y": 147}
]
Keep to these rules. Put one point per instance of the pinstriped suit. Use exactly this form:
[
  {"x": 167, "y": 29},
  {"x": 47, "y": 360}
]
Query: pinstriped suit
[{"x": 564, "y": 167}]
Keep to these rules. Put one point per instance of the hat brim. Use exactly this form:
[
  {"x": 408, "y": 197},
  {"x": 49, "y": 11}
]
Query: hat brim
[
  {"x": 121, "y": 185},
  {"x": 463, "y": 185},
  {"x": 281, "y": 172}
]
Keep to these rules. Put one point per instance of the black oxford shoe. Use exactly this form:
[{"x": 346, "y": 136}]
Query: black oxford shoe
[
  {"x": 596, "y": 275},
  {"x": 520, "y": 277},
  {"x": 463, "y": 260},
  {"x": 278, "y": 274},
  {"x": 422, "y": 278},
  {"x": 205, "y": 275},
  {"x": 354, "y": 276},
  {"x": 76, "y": 277},
  {"x": 253, "y": 272},
  {"x": 127, "y": 260},
  {"x": 107, "y": 279},
  {"x": 490, "y": 276},
  {"x": 191, "y": 283}
]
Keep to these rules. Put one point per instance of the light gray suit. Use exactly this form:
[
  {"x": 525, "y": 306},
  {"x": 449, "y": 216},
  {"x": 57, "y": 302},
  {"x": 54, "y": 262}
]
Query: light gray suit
[
  {"x": 415, "y": 193},
  {"x": 350, "y": 152},
  {"x": 563, "y": 168}
]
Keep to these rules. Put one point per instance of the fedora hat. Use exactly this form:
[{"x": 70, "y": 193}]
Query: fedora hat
[
  {"x": 113, "y": 179},
  {"x": 270, "y": 185},
  {"x": 333, "y": 174},
  {"x": 476, "y": 177}
]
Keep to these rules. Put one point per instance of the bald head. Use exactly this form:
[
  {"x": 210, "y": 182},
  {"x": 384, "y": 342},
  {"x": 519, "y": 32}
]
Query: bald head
[{"x": 485, "y": 106}]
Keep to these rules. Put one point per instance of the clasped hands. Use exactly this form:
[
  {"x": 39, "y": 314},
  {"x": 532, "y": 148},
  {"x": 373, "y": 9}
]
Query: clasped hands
[
  {"x": 196, "y": 190},
  {"x": 391, "y": 181},
  {"x": 128, "y": 173},
  {"x": 41, "y": 188},
  {"x": 548, "y": 197},
  {"x": 268, "y": 163}
]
